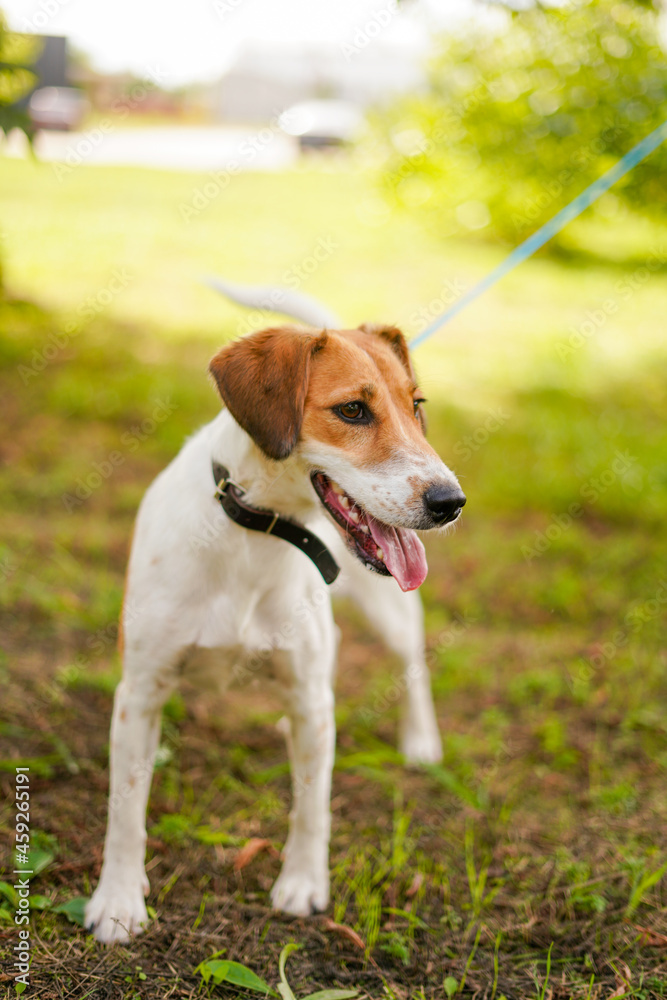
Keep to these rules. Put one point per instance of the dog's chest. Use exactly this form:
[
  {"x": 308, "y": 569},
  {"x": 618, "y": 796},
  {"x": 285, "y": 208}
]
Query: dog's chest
[{"x": 243, "y": 638}]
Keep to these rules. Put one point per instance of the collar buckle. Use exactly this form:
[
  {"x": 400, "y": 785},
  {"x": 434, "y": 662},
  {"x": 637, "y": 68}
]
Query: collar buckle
[{"x": 223, "y": 485}]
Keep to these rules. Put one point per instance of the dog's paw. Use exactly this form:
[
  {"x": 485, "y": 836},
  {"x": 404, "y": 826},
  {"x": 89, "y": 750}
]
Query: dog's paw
[
  {"x": 117, "y": 912},
  {"x": 300, "y": 893},
  {"x": 421, "y": 746}
]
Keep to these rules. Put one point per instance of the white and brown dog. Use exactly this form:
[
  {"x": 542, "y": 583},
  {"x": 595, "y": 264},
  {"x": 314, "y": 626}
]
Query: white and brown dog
[{"x": 322, "y": 428}]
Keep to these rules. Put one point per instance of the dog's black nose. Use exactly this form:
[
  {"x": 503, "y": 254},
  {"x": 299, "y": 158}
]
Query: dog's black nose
[{"x": 444, "y": 503}]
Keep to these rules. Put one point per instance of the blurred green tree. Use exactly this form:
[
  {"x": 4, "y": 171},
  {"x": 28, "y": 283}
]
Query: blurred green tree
[
  {"x": 519, "y": 118},
  {"x": 17, "y": 78},
  {"x": 17, "y": 53}
]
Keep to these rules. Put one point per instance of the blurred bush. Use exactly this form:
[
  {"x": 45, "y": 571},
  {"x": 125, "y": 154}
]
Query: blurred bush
[
  {"x": 517, "y": 120},
  {"x": 17, "y": 78},
  {"x": 17, "y": 52}
]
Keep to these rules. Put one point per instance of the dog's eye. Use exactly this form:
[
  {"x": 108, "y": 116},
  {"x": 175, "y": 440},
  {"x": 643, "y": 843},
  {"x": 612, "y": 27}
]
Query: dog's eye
[
  {"x": 354, "y": 412},
  {"x": 416, "y": 403}
]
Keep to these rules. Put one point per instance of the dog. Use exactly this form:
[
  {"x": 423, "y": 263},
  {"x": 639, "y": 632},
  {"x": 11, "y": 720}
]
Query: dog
[{"x": 318, "y": 460}]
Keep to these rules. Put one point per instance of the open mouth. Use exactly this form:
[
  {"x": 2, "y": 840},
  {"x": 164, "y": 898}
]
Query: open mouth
[{"x": 391, "y": 551}]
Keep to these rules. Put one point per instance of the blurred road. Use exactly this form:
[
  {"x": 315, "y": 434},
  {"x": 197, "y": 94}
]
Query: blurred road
[{"x": 169, "y": 148}]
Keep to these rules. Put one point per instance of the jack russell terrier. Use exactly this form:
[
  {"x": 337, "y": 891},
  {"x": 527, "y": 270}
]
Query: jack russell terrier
[{"x": 319, "y": 449}]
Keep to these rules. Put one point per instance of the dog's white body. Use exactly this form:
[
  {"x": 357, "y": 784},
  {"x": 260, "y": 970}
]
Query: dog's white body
[{"x": 204, "y": 594}]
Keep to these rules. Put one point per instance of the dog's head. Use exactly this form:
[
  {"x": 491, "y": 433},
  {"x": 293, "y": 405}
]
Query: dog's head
[{"x": 347, "y": 404}]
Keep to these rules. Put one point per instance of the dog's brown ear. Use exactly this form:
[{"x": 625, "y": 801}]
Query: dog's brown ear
[
  {"x": 263, "y": 380},
  {"x": 393, "y": 336}
]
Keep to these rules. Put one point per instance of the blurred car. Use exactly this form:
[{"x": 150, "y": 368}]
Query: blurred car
[
  {"x": 322, "y": 123},
  {"x": 58, "y": 108}
]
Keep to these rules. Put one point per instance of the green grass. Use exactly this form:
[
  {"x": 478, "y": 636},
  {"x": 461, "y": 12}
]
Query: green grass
[
  {"x": 531, "y": 862},
  {"x": 65, "y": 238}
]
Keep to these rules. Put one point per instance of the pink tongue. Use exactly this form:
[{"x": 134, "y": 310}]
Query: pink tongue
[{"x": 403, "y": 553}]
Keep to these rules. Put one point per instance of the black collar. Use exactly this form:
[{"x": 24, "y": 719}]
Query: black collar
[{"x": 230, "y": 495}]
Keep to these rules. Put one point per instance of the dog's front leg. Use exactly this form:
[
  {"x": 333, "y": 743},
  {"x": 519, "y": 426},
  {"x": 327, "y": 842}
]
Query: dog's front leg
[
  {"x": 303, "y": 885},
  {"x": 117, "y": 908}
]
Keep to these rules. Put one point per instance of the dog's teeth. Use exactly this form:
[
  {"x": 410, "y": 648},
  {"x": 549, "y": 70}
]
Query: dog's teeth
[
  {"x": 345, "y": 502},
  {"x": 336, "y": 488},
  {"x": 354, "y": 516},
  {"x": 364, "y": 528},
  {"x": 380, "y": 554}
]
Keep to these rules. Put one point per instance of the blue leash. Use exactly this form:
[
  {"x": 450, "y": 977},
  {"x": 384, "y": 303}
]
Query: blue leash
[{"x": 549, "y": 229}]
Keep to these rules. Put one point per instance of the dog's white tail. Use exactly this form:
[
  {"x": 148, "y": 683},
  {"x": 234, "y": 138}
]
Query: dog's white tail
[{"x": 280, "y": 300}]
